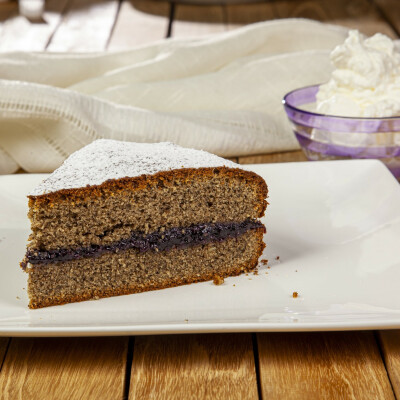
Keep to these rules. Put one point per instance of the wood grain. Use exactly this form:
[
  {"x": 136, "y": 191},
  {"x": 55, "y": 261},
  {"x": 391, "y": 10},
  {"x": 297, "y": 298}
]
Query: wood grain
[
  {"x": 368, "y": 26},
  {"x": 3, "y": 349},
  {"x": 7, "y": 10},
  {"x": 355, "y": 14},
  {"x": 313, "y": 9},
  {"x": 64, "y": 368},
  {"x": 193, "y": 20},
  {"x": 242, "y": 14},
  {"x": 287, "y": 156},
  {"x": 358, "y": 14},
  {"x": 390, "y": 346},
  {"x": 139, "y": 22},
  {"x": 391, "y": 11},
  {"x": 329, "y": 365},
  {"x": 86, "y": 26},
  {"x": 193, "y": 367}
]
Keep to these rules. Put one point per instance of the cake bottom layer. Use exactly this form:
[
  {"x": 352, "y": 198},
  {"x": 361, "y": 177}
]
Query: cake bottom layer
[{"x": 131, "y": 271}]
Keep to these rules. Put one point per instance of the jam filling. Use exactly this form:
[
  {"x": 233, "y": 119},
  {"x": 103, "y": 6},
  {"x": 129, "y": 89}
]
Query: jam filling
[{"x": 156, "y": 241}]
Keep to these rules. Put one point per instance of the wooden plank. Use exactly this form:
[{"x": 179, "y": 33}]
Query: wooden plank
[
  {"x": 368, "y": 26},
  {"x": 331, "y": 365},
  {"x": 193, "y": 367},
  {"x": 64, "y": 368},
  {"x": 86, "y": 26},
  {"x": 197, "y": 20},
  {"x": 3, "y": 349},
  {"x": 390, "y": 346},
  {"x": 17, "y": 33},
  {"x": 7, "y": 9},
  {"x": 356, "y": 14},
  {"x": 391, "y": 11},
  {"x": 287, "y": 156},
  {"x": 139, "y": 22},
  {"x": 241, "y": 14},
  {"x": 313, "y": 9}
]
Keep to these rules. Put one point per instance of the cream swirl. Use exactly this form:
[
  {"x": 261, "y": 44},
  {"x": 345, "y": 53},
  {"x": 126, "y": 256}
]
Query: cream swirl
[{"x": 366, "y": 78}]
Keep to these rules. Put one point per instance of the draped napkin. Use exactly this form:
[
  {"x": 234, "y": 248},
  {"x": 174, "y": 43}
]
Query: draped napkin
[{"x": 221, "y": 93}]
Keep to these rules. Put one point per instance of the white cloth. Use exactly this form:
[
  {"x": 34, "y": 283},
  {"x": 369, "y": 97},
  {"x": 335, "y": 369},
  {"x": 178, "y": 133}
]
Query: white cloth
[{"x": 221, "y": 93}]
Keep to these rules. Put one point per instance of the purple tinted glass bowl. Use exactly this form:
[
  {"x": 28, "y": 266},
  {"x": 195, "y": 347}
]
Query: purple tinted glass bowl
[{"x": 327, "y": 137}]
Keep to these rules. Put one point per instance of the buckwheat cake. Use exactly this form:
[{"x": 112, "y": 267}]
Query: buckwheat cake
[{"x": 119, "y": 218}]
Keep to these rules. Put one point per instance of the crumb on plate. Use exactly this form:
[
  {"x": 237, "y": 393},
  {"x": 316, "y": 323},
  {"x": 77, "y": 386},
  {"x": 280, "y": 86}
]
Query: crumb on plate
[
  {"x": 295, "y": 295},
  {"x": 218, "y": 280}
]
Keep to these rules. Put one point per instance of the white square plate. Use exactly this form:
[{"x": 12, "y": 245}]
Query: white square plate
[{"x": 334, "y": 225}]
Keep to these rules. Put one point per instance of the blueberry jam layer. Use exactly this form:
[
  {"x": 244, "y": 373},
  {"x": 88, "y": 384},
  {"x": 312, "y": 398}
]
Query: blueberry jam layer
[{"x": 156, "y": 241}]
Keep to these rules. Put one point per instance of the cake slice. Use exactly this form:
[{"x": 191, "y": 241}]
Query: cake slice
[{"x": 119, "y": 218}]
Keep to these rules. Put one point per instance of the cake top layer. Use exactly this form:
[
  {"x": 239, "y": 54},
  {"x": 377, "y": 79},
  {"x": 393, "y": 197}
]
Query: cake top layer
[{"x": 106, "y": 159}]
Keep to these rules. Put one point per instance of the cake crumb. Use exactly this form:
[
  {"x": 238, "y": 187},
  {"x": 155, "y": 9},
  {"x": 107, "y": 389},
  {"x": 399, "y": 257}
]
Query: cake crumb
[
  {"x": 295, "y": 295},
  {"x": 269, "y": 267},
  {"x": 234, "y": 285},
  {"x": 277, "y": 258},
  {"x": 18, "y": 298},
  {"x": 255, "y": 272},
  {"x": 264, "y": 261},
  {"x": 218, "y": 280},
  {"x": 187, "y": 321}
]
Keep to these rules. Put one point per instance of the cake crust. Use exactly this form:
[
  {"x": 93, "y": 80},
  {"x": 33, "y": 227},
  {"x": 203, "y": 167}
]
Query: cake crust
[
  {"x": 107, "y": 159},
  {"x": 159, "y": 179}
]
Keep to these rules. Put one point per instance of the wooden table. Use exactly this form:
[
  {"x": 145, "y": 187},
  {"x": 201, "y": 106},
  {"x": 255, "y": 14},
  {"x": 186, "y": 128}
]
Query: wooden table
[{"x": 337, "y": 365}]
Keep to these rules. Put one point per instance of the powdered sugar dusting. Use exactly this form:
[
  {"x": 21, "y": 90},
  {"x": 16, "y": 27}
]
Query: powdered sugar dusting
[{"x": 106, "y": 159}]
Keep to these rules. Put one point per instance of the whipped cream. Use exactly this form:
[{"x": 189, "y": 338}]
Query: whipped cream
[{"x": 366, "y": 79}]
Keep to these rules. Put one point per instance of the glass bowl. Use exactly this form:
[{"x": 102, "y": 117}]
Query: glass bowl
[{"x": 328, "y": 137}]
